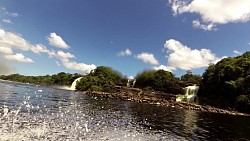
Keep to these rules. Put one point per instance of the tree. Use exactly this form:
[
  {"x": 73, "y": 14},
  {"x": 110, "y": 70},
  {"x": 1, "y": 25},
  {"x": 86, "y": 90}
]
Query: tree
[
  {"x": 190, "y": 78},
  {"x": 99, "y": 79},
  {"x": 227, "y": 83},
  {"x": 158, "y": 80}
]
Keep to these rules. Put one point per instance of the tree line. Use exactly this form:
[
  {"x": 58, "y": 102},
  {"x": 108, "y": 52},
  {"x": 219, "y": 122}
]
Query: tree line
[
  {"x": 225, "y": 84},
  {"x": 61, "y": 79}
]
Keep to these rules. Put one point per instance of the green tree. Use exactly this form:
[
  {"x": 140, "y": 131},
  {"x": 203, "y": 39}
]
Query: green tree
[
  {"x": 191, "y": 78},
  {"x": 227, "y": 83},
  {"x": 99, "y": 79},
  {"x": 158, "y": 80}
]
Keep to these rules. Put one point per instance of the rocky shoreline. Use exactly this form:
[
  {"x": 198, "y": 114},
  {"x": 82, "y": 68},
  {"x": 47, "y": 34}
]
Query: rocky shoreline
[{"x": 159, "y": 98}]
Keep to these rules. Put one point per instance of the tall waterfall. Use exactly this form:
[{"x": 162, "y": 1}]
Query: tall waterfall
[{"x": 73, "y": 86}]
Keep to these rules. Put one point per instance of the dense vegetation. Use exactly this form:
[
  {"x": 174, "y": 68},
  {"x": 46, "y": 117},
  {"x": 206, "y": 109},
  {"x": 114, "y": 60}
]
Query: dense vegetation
[
  {"x": 158, "y": 80},
  {"x": 191, "y": 79},
  {"x": 227, "y": 83},
  {"x": 61, "y": 78},
  {"x": 161, "y": 80},
  {"x": 101, "y": 79}
]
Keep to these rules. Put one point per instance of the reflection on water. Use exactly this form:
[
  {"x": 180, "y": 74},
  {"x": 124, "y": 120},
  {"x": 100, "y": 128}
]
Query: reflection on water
[
  {"x": 190, "y": 119},
  {"x": 42, "y": 113}
]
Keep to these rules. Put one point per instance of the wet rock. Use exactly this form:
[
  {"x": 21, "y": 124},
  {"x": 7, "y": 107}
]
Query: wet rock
[{"x": 159, "y": 98}]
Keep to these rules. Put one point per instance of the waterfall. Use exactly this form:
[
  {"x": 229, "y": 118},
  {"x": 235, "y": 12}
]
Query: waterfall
[
  {"x": 189, "y": 95},
  {"x": 73, "y": 86},
  {"x": 191, "y": 90}
]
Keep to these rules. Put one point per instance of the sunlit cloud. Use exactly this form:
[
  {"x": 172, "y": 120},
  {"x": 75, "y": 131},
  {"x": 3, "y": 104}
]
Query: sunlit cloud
[
  {"x": 147, "y": 58},
  {"x": 18, "y": 57},
  {"x": 213, "y": 12},
  {"x": 81, "y": 67},
  {"x": 57, "y": 41},
  {"x": 9, "y": 42},
  {"x": 5, "y": 50},
  {"x": 183, "y": 57},
  {"x": 166, "y": 68},
  {"x": 236, "y": 52}
]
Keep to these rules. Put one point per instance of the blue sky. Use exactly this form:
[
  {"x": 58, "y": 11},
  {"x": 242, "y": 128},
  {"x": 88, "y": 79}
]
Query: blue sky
[{"x": 47, "y": 37}]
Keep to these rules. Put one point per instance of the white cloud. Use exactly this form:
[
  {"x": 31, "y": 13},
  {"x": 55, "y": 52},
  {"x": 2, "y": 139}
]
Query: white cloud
[
  {"x": 125, "y": 52},
  {"x": 62, "y": 55},
  {"x": 3, "y": 8},
  {"x": 14, "y": 14},
  {"x": 166, "y": 68},
  {"x": 7, "y": 21},
  {"x": 6, "y": 12},
  {"x": 5, "y": 50},
  {"x": 58, "y": 64},
  {"x": 214, "y": 12},
  {"x": 16, "y": 41},
  {"x": 69, "y": 64},
  {"x": 38, "y": 48},
  {"x": 18, "y": 57},
  {"x": 85, "y": 68},
  {"x": 206, "y": 27},
  {"x": 57, "y": 41},
  {"x": 237, "y": 52},
  {"x": 12, "y": 40},
  {"x": 182, "y": 57},
  {"x": 148, "y": 58}
]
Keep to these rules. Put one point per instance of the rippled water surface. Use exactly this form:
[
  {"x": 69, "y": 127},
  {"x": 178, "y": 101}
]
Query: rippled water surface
[{"x": 43, "y": 113}]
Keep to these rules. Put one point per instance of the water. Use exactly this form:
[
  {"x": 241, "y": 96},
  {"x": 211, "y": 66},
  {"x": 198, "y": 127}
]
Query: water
[{"x": 43, "y": 113}]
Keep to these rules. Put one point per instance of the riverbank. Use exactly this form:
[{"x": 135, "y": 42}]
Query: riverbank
[
  {"x": 159, "y": 98},
  {"x": 151, "y": 97},
  {"x": 64, "y": 87}
]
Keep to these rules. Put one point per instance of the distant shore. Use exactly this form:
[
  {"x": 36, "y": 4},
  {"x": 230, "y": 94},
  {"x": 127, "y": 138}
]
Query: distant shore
[
  {"x": 52, "y": 86},
  {"x": 161, "y": 99}
]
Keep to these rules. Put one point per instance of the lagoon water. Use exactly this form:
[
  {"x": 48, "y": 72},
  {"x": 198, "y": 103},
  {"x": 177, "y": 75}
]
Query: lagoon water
[{"x": 44, "y": 113}]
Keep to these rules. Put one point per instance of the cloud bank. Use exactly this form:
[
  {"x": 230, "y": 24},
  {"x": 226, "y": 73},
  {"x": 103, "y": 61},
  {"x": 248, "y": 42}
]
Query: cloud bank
[
  {"x": 11, "y": 42},
  {"x": 18, "y": 57},
  {"x": 183, "y": 57},
  {"x": 213, "y": 12}
]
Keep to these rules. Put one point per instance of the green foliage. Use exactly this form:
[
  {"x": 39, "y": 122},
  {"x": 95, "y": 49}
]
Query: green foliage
[
  {"x": 61, "y": 78},
  {"x": 158, "y": 80},
  {"x": 95, "y": 88},
  {"x": 191, "y": 79},
  {"x": 100, "y": 79},
  {"x": 228, "y": 80}
]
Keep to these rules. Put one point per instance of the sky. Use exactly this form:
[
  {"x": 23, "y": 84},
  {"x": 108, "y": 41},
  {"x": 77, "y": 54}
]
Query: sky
[{"x": 76, "y": 36}]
